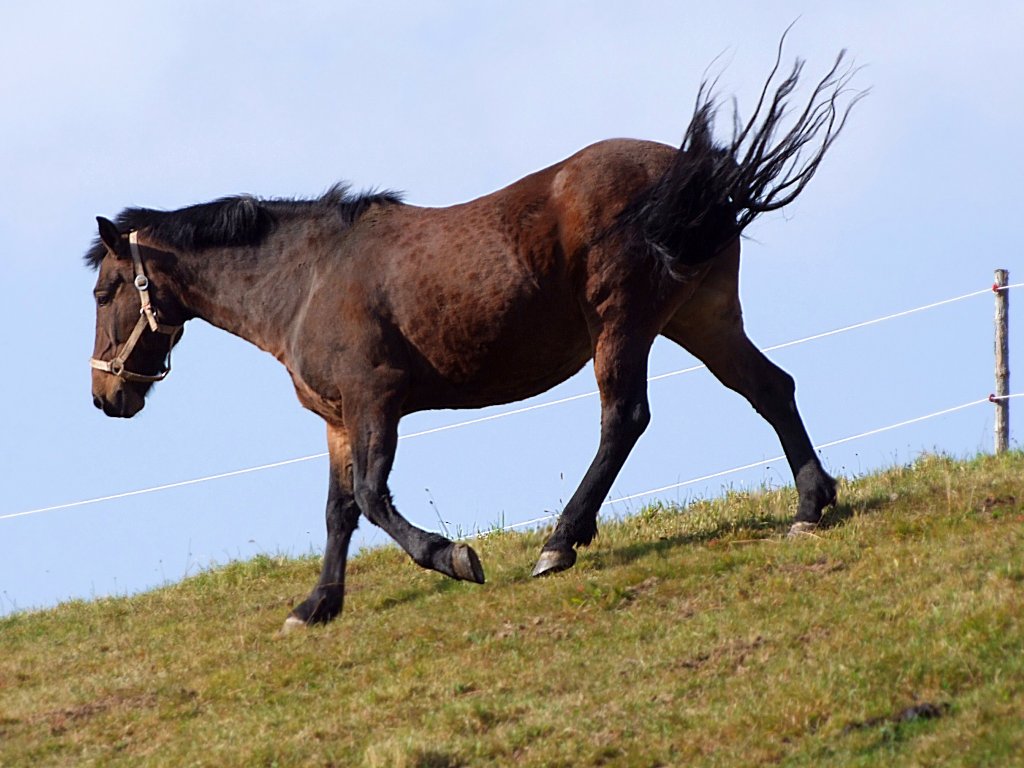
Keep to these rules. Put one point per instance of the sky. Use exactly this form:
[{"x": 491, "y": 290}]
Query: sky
[{"x": 118, "y": 104}]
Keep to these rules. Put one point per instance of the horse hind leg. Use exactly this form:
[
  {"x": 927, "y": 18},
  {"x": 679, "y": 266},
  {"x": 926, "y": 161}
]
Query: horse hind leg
[
  {"x": 375, "y": 438},
  {"x": 720, "y": 342},
  {"x": 621, "y": 369}
]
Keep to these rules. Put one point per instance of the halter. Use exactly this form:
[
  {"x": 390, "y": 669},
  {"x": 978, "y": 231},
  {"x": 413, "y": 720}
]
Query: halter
[{"x": 147, "y": 319}]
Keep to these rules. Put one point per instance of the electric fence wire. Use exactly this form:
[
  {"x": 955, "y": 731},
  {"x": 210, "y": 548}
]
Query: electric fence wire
[{"x": 562, "y": 401}]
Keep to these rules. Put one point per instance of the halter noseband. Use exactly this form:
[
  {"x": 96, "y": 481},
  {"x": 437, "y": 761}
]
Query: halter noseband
[{"x": 147, "y": 319}]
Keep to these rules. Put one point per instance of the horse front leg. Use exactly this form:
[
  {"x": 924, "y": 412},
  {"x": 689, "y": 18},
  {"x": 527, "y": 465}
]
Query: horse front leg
[
  {"x": 374, "y": 440},
  {"x": 326, "y": 599},
  {"x": 621, "y": 370},
  {"x": 723, "y": 346}
]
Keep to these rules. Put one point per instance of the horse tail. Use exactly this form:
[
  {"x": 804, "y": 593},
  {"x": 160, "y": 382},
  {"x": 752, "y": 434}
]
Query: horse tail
[
  {"x": 685, "y": 215},
  {"x": 710, "y": 192}
]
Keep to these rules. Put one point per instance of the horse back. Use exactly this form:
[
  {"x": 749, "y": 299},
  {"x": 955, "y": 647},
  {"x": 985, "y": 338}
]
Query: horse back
[{"x": 489, "y": 301}]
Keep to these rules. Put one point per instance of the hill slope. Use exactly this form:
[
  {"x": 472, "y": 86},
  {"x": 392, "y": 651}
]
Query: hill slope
[{"x": 683, "y": 637}]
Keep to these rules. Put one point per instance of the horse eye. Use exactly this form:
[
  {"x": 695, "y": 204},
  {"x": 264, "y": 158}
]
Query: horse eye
[{"x": 102, "y": 299}]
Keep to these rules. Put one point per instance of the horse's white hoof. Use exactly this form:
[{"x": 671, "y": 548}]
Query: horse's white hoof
[
  {"x": 291, "y": 624},
  {"x": 801, "y": 528},
  {"x": 553, "y": 561}
]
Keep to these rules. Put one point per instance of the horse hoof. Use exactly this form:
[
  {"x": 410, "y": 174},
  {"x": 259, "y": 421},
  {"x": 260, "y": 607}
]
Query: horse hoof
[
  {"x": 466, "y": 565},
  {"x": 801, "y": 528},
  {"x": 553, "y": 561},
  {"x": 292, "y": 623}
]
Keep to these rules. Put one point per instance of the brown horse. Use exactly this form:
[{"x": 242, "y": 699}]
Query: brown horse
[{"x": 379, "y": 309}]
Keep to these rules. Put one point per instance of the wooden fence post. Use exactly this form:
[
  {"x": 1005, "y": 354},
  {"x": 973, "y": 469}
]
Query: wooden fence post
[{"x": 1002, "y": 426}]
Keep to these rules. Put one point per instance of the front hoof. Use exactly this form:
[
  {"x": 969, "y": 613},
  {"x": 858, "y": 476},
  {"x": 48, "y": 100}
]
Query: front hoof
[
  {"x": 553, "y": 561},
  {"x": 466, "y": 565},
  {"x": 801, "y": 528},
  {"x": 293, "y": 623}
]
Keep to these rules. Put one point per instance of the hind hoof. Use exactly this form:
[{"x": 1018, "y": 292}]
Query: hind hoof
[
  {"x": 292, "y": 624},
  {"x": 466, "y": 565},
  {"x": 801, "y": 528},
  {"x": 553, "y": 561}
]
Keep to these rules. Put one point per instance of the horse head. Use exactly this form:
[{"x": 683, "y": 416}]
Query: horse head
[{"x": 138, "y": 320}]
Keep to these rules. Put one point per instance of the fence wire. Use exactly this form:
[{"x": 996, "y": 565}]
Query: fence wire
[
  {"x": 763, "y": 462},
  {"x": 563, "y": 401}
]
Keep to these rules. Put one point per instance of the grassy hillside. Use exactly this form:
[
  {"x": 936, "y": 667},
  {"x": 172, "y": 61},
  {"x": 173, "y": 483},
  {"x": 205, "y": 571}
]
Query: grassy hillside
[{"x": 696, "y": 636}]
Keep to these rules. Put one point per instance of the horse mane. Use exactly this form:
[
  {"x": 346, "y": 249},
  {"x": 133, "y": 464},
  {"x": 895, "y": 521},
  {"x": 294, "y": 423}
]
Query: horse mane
[{"x": 240, "y": 220}]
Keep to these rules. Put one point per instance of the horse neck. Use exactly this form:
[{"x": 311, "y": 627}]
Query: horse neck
[{"x": 253, "y": 292}]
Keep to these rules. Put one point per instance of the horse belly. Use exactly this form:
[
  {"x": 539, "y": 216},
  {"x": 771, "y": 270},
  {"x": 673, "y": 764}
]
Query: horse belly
[{"x": 486, "y": 347}]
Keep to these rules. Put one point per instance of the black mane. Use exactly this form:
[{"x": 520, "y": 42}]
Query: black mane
[{"x": 241, "y": 220}]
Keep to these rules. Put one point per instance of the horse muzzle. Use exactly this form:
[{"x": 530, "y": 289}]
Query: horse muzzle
[{"x": 121, "y": 403}]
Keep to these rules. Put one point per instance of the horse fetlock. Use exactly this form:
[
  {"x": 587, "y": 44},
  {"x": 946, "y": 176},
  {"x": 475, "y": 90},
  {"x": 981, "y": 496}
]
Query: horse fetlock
[
  {"x": 817, "y": 490},
  {"x": 315, "y": 609},
  {"x": 585, "y": 533},
  {"x": 828, "y": 491},
  {"x": 824, "y": 493}
]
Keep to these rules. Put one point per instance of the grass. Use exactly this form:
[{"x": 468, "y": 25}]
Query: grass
[{"x": 696, "y": 636}]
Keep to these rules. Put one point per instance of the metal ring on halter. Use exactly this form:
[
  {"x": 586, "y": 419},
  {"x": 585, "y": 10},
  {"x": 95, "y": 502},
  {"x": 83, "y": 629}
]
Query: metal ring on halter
[
  {"x": 116, "y": 367},
  {"x": 141, "y": 282}
]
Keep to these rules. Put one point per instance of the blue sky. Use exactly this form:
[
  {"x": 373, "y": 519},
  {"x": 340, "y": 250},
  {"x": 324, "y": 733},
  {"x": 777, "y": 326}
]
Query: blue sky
[{"x": 164, "y": 105}]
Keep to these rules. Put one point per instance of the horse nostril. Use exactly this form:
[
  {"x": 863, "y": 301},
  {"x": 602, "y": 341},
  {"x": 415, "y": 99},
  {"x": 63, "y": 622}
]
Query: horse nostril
[{"x": 97, "y": 402}]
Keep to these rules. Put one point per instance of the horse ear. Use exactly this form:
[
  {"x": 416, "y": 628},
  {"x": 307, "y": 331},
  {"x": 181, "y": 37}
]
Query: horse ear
[{"x": 109, "y": 234}]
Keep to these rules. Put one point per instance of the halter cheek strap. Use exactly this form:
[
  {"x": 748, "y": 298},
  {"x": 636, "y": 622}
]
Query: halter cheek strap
[{"x": 147, "y": 319}]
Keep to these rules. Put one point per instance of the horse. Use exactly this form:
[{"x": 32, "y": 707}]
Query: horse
[{"x": 378, "y": 308}]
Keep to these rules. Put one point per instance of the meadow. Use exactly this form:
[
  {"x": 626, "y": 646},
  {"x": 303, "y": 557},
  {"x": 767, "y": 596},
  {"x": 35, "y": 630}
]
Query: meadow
[{"x": 694, "y": 635}]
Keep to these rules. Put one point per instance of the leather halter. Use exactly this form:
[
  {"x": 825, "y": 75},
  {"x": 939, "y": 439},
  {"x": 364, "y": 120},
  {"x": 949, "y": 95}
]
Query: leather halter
[{"x": 147, "y": 319}]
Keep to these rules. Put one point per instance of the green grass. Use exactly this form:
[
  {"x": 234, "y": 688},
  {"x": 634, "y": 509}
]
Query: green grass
[{"x": 696, "y": 636}]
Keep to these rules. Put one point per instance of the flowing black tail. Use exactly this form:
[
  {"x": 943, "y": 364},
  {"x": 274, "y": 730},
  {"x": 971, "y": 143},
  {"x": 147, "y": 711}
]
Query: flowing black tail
[{"x": 711, "y": 192}]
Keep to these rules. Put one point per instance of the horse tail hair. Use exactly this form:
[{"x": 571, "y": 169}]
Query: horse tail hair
[{"x": 712, "y": 191}]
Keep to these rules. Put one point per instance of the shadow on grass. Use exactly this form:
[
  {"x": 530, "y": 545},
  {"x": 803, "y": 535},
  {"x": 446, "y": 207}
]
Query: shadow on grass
[
  {"x": 840, "y": 513},
  {"x": 764, "y": 526},
  {"x": 407, "y": 595},
  {"x": 436, "y": 759},
  {"x": 666, "y": 544}
]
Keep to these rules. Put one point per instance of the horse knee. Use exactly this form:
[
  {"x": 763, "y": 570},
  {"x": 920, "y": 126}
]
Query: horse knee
[{"x": 633, "y": 418}]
